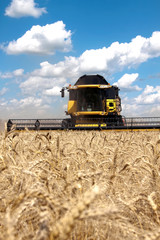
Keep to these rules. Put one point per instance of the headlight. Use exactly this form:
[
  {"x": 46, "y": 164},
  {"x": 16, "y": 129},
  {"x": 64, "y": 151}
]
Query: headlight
[
  {"x": 72, "y": 87},
  {"x": 104, "y": 86}
]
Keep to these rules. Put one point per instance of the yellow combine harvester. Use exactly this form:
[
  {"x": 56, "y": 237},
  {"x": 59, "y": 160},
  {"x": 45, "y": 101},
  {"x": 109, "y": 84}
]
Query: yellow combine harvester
[{"x": 93, "y": 104}]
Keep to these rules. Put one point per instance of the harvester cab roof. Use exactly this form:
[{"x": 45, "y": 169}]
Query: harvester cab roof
[{"x": 91, "y": 80}]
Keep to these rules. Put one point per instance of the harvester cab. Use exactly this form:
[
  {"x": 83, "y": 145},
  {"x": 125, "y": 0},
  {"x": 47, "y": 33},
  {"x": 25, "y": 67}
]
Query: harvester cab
[{"x": 92, "y": 102}]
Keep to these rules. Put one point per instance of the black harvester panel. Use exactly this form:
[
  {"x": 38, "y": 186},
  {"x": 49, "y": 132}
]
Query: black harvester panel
[
  {"x": 55, "y": 124},
  {"x": 91, "y": 79}
]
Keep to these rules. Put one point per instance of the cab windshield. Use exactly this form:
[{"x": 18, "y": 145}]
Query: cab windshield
[{"x": 89, "y": 99}]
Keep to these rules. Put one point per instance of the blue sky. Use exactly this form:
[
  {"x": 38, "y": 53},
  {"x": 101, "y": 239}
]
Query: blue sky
[{"x": 45, "y": 45}]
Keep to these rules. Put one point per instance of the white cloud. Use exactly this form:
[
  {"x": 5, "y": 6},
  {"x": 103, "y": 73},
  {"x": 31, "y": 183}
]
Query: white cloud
[
  {"x": 15, "y": 73},
  {"x": 104, "y": 61},
  {"x": 121, "y": 55},
  {"x": 34, "y": 83},
  {"x": 3, "y": 91},
  {"x": 42, "y": 40},
  {"x": 29, "y": 107},
  {"x": 67, "y": 69},
  {"x": 24, "y": 8},
  {"x": 145, "y": 105},
  {"x": 55, "y": 91},
  {"x": 3, "y": 103},
  {"x": 29, "y": 101},
  {"x": 50, "y": 76},
  {"x": 150, "y": 95},
  {"x": 126, "y": 81},
  {"x": 132, "y": 109},
  {"x": 115, "y": 58},
  {"x": 18, "y": 72},
  {"x": 46, "y": 81},
  {"x": 38, "y": 84},
  {"x": 6, "y": 75}
]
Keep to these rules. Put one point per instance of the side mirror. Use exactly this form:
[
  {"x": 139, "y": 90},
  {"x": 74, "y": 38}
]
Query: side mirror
[{"x": 62, "y": 92}]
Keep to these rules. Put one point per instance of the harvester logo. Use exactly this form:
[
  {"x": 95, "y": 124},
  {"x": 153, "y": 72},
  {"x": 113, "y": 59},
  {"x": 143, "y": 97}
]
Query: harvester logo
[{"x": 111, "y": 105}]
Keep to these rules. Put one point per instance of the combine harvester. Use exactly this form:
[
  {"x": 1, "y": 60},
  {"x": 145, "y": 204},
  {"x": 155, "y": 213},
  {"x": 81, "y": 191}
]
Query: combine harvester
[{"x": 93, "y": 104}]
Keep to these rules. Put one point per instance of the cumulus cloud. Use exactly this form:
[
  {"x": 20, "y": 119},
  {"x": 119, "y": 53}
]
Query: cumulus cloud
[
  {"x": 145, "y": 104},
  {"x": 3, "y": 91},
  {"x": 6, "y": 75},
  {"x": 27, "y": 102},
  {"x": 38, "y": 84},
  {"x": 55, "y": 91},
  {"x": 24, "y": 8},
  {"x": 126, "y": 81},
  {"x": 44, "y": 40},
  {"x": 47, "y": 80},
  {"x": 150, "y": 95},
  {"x": 16, "y": 73},
  {"x": 28, "y": 107},
  {"x": 117, "y": 57},
  {"x": 133, "y": 109},
  {"x": 69, "y": 68},
  {"x": 109, "y": 60},
  {"x": 35, "y": 83},
  {"x": 120, "y": 55},
  {"x": 50, "y": 76}
]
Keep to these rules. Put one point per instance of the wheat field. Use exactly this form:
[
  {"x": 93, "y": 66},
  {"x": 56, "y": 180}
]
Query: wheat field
[{"x": 80, "y": 185}]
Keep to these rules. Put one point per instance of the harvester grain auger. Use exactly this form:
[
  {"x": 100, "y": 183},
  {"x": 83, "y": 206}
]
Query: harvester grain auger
[{"x": 93, "y": 104}]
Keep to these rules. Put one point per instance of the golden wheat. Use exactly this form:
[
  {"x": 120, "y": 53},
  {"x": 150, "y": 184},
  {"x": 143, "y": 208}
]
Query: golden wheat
[{"x": 79, "y": 185}]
